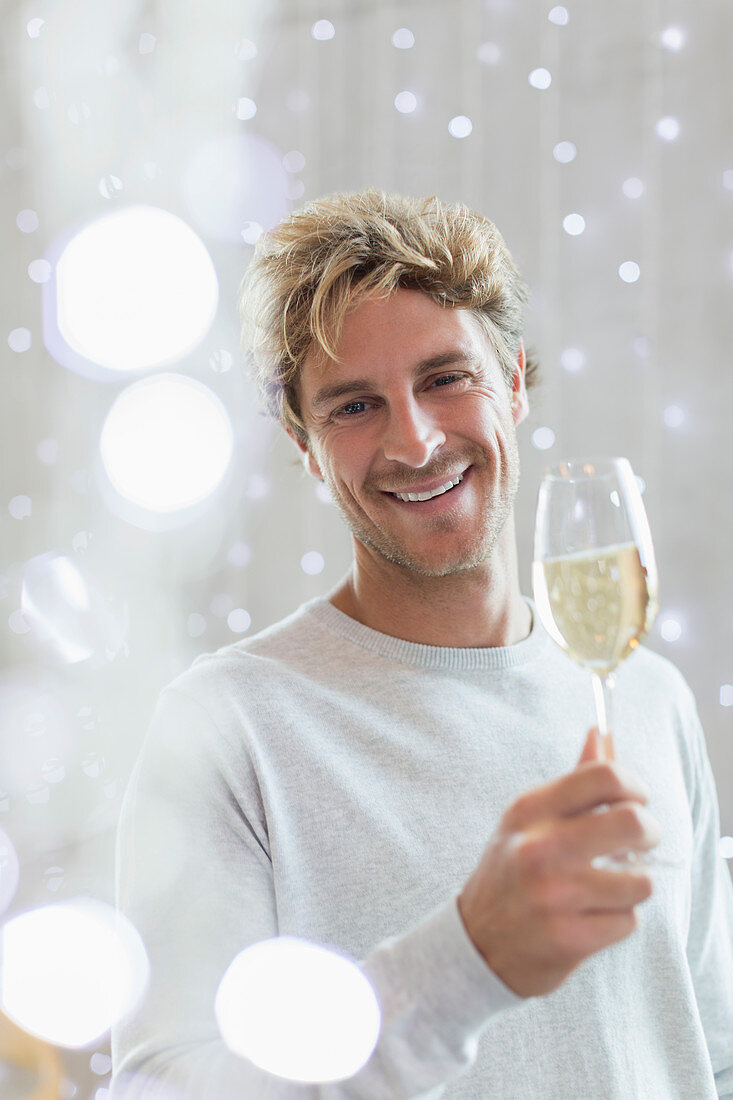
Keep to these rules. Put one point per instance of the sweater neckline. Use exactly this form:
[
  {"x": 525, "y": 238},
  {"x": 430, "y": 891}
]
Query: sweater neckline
[{"x": 421, "y": 655}]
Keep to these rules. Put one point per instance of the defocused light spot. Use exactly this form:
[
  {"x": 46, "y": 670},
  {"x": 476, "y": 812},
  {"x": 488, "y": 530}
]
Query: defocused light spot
[
  {"x": 543, "y": 438},
  {"x": 196, "y": 625},
  {"x": 93, "y": 764},
  {"x": 42, "y": 99},
  {"x": 233, "y": 181},
  {"x": 221, "y": 361},
  {"x": 53, "y": 770},
  {"x": 146, "y": 43},
  {"x": 405, "y": 102},
  {"x": 245, "y": 49},
  {"x": 239, "y": 620},
  {"x": 574, "y": 224},
  {"x": 641, "y": 483},
  {"x": 100, "y": 1064},
  {"x": 135, "y": 289},
  {"x": 633, "y": 187},
  {"x": 34, "y": 27},
  {"x": 47, "y": 451},
  {"x": 728, "y": 179},
  {"x": 312, "y": 563},
  {"x": 642, "y": 346},
  {"x": 221, "y": 605},
  {"x": 40, "y": 271},
  {"x": 672, "y": 38},
  {"x": 489, "y": 53},
  {"x": 110, "y": 187},
  {"x": 560, "y": 16},
  {"x": 540, "y": 79},
  {"x": 239, "y": 555},
  {"x": 403, "y": 39},
  {"x": 298, "y": 100},
  {"x": 460, "y": 126},
  {"x": 71, "y": 612},
  {"x": 298, "y": 1011},
  {"x": 572, "y": 359},
  {"x": 27, "y": 221},
  {"x": 20, "y": 507},
  {"x": 670, "y": 629},
  {"x": 246, "y": 108},
  {"x": 252, "y": 232},
  {"x": 629, "y": 271},
  {"x": 322, "y": 30},
  {"x": 668, "y": 128},
  {"x": 725, "y": 847},
  {"x": 674, "y": 416},
  {"x": 9, "y": 871},
  {"x": 564, "y": 152},
  {"x": 294, "y": 161},
  {"x": 19, "y": 339},
  {"x": 70, "y": 970},
  {"x": 166, "y": 443},
  {"x": 295, "y": 189},
  {"x": 726, "y": 695},
  {"x": 324, "y": 493},
  {"x": 17, "y": 623}
]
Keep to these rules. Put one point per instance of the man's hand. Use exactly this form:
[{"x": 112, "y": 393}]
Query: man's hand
[{"x": 535, "y": 907}]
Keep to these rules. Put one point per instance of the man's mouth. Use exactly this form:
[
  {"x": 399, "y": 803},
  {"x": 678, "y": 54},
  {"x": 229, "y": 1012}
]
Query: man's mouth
[{"x": 428, "y": 494}]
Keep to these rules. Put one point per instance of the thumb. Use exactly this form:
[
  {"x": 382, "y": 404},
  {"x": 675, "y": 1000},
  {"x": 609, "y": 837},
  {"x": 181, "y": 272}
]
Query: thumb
[{"x": 592, "y": 747}]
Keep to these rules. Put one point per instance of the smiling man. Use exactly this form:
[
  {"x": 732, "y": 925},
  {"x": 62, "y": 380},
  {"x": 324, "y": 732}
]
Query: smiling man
[{"x": 399, "y": 770}]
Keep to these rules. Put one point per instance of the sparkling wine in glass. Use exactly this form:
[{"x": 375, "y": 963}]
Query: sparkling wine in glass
[{"x": 594, "y": 575}]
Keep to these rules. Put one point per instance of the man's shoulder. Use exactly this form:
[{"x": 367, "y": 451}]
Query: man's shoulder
[{"x": 275, "y": 651}]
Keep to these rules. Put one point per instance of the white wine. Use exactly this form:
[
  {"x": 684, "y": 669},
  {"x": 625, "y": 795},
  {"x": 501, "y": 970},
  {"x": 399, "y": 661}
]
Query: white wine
[{"x": 597, "y": 604}]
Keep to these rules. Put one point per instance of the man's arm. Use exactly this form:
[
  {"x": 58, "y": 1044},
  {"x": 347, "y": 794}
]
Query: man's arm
[
  {"x": 710, "y": 939},
  {"x": 195, "y": 877}
]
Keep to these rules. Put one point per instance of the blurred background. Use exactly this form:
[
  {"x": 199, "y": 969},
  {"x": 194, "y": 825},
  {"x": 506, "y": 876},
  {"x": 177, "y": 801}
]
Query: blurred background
[{"x": 149, "y": 511}]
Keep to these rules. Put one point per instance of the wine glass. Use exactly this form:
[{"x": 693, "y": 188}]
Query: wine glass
[{"x": 594, "y": 575}]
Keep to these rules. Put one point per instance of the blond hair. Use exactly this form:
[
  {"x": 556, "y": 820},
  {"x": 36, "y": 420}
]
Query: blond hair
[{"x": 323, "y": 259}]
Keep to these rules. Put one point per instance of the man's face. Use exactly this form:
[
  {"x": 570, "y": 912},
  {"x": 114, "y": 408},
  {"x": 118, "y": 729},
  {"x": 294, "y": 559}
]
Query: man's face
[{"x": 418, "y": 400}]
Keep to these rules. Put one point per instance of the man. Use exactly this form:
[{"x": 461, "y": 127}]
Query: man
[{"x": 397, "y": 771}]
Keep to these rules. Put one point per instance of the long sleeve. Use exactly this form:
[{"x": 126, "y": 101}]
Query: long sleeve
[
  {"x": 710, "y": 940},
  {"x": 195, "y": 876}
]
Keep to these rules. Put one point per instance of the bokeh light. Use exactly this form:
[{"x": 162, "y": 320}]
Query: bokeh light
[
  {"x": 668, "y": 128},
  {"x": 726, "y": 695},
  {"x": 540, "y": 79},
  {"x": 246, "y": 108},
  {"x": 543, "y": 438},
  {"x": 70, "y": 611},
  {"x": 559, "y": 16},
  {"x": 235, "y": 181},
  {"x": 725, "y": 847},
  {"x": 672, "y": 38},
  {"x": 629, "y": 271},
  {"x": 574, "y": 224},
  {"x": 460, "y": 126},
  {"x": 27, "y": 221},
  {"x": 298, "y": 1010},
  {"x": 36, "y": 728},
  {"x": 564, "y": 152},
  {"x": 489, "y": 53},
  {"x": 322, "y": 30},
  {"x": 166, "y": 442},
  {"x": 670, "y": 628},
  {"x": 134, "y": 290},
  {"x": 674, "y": 416},
  {"x": 312, "y": 563},
  {"x": 239, "y": 620},
  {"x": 633, "y": 187},
  {"x": 405, "y": 102},
  {"x": 20, "y": 339},
  {"x": 403, "y": 39},
  {"x": 572, "y": 359},
  {"x": 70, "y": 970}
]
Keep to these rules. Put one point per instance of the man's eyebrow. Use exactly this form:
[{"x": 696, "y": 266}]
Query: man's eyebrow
[{"x": 333, "y": 390}]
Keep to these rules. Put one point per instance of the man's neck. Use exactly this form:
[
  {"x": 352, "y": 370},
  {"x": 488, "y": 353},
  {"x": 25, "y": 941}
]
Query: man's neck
[{"x": 481, "y": 607}]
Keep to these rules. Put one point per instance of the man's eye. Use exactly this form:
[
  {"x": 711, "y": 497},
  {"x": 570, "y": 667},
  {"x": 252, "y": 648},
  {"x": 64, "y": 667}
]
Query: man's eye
[
  {"x": 352, "y": 409},
  {"x": 446, "y": 379}
]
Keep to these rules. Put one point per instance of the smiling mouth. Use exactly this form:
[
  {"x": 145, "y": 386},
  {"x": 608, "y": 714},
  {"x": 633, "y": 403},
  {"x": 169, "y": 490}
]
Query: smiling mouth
[{"x": 445, "y": 488}]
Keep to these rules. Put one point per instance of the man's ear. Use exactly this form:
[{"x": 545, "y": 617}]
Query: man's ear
[
  {"x": 520, "y": 404},
  {"x": 308, "y": 460}
]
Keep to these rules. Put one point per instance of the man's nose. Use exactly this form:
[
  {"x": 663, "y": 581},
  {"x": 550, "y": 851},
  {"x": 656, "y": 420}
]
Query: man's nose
[{"x": 412, "y": 436}]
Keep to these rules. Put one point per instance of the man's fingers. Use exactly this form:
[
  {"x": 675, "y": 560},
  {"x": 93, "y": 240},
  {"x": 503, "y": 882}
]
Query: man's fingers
[
  {"x": 592, "y": 747},
  {"x": 591, "y": 784},
  {"x": 622, "y": 826}
]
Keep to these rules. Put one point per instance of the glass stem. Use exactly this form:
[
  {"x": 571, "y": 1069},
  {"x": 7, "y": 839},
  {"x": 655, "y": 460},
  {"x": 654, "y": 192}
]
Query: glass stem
[{"x": 602, "y": 691}]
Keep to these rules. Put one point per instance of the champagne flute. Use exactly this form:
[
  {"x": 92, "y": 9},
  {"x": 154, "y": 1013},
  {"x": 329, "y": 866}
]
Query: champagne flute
[{"x": 594, "y": 575}]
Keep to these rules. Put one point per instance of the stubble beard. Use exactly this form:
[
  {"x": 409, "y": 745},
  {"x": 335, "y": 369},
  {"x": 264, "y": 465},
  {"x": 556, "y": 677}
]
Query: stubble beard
[{"x": 494, "y": 515}]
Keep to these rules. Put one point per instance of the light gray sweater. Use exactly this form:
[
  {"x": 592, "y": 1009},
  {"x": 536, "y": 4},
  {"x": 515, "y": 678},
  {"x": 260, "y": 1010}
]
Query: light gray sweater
[{"x": 327, "y": 781}]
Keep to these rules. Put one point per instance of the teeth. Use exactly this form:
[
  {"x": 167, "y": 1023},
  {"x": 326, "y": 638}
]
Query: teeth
[{"x": 429, "y": 496}]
